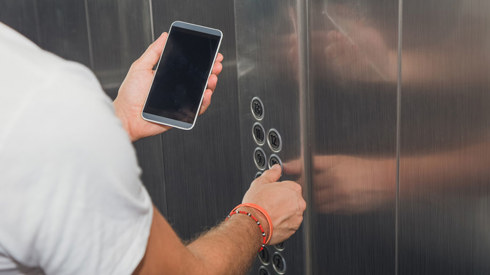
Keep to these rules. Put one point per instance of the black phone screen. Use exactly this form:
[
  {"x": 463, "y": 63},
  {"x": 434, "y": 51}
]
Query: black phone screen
[{"x": 182, "y": 74}]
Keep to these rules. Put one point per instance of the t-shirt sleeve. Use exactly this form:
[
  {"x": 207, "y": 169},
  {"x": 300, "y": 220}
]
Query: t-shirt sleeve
[{"x": 78, "y": 205}]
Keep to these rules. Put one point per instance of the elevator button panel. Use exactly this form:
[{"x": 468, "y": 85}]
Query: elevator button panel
[
  {"x": 279, "y": 263},
  {"x": 257, "y": 108},
  {"x": 270, "y": 257},
  {"x": 258, "y": 133},
  {"x": 274, "y": 140},
  {"x": 260, "y": 158},
  {"x": 273, "y": 160}
]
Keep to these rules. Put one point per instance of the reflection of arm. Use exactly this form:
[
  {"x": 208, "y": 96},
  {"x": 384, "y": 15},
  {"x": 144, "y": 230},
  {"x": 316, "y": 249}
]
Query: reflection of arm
[{"x": 450, "y": 171}]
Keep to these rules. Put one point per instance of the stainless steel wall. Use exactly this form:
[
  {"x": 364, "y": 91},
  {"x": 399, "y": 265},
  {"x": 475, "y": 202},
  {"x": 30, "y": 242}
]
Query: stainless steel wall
[
  {"x": 203, "y": 167},
  {"x": 353, "y": 90},
  {"x": 445, "y": 143},
  {"x": 392, "y": 147},
  {"x": 269, "y": 88}
]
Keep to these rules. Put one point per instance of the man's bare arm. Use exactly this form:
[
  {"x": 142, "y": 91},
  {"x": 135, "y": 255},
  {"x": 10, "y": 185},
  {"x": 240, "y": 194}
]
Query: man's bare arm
[{"x": 231, "y": 246}]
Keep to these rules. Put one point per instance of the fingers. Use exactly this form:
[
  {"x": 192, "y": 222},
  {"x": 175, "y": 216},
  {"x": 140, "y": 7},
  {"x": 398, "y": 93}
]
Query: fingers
[
  {"x": 206, "y": 101},
  {"x": 212, "y": 82},
  {"x": 151, "y": 56},
  {"x": 217, "y": 68},
  {"x": 219, "y": 58},
  {"x": 269, "y": 176}
]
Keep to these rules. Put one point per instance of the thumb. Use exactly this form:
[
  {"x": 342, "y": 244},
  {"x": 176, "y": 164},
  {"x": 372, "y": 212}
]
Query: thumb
[
  {"x": 269, "y": 176},
  {"x": 151, "y": 56}
]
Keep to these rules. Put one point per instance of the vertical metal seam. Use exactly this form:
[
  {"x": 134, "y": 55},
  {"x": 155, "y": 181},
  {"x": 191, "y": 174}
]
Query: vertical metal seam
[
  {"x": 38, "y": 25},
  {"x": 152, "y": 29},
  {"x": 305, "y": 138},
  {"x": 398, "y": 133},
  {"x": 160, "y": 138},
  {"x": 89, "y": 35},
  {"x": 244, "y": 185}
]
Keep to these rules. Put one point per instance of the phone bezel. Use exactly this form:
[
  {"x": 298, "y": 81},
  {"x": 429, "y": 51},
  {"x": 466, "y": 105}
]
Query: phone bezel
[{"x": 169, "y": 121}]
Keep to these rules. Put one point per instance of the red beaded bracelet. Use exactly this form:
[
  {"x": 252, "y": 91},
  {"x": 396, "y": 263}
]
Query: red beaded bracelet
[
  {"x": 256, "y": 221},
  {"x": 263, "y": 212}
]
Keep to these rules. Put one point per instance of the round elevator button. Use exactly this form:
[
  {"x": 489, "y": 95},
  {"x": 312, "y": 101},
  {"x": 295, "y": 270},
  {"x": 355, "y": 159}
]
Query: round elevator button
[
  {"x": 257, "y": 108},
  {"x": 258, "y": 174},
  {"x": 263, "y": 271},
  {"x": 260, "y": 159},
  {"x": 258, "y": 133},
  {"x": 279, "y": 263},
  {"x": 274, "y": 140},
  {"x": 280, "y": 246},
  {"x": 273, "y": 160},
  {"x": 265, "y": 256}
]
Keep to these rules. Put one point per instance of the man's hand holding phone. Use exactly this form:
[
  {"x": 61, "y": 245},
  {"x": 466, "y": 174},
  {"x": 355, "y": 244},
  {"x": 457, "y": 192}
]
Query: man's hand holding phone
[{"x": 135, "y": 87}]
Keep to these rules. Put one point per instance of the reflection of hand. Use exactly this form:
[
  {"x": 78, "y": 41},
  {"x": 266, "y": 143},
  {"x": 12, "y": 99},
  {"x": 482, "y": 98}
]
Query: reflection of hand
[
  {"x": 363, "y": 56},
  {"x": 346, "y": 184},
  {"x": 134, "y": 90},
  {"x": 282, "y": 200}
]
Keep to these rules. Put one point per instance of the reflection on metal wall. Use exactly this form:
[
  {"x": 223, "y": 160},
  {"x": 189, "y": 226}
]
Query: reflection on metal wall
[
  {"x": 353, "y": 89},
  {"x": 445, "y": 141}
]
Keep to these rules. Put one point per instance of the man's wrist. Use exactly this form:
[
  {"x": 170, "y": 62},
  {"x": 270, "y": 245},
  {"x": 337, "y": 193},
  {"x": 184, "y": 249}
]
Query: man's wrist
[
  {"x": 122, "y": 117},
  {"x": 259, "y": 216},
  {"x": 251, "y": 226}
]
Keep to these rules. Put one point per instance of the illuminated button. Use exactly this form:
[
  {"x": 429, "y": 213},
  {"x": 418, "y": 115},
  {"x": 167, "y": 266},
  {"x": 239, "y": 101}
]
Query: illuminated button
[
  {"x": 265, "y": 256},
  {"x": 260, "y": 159},
  {"x": 263, "y": 271},
  {"x": 257, "y": 108},
  {"x": 274, "y": 140},
  {"x": 279, "y": 263},
  {"x": 273, "y": 160},
  {"x": 258, "y": 133}
]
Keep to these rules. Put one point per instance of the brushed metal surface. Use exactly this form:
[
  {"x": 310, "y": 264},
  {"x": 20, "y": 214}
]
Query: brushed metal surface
[
  {"x": 22, "y": 16},
  {"x": 120, "y": 33},
  {"x": 57, "y": 26},
  {"x": 268, "y": 68},
  {"x": 202, "y": 166},
  {"x": 353, "y": 91},
  {"x": 445, "y": 142},
  {"x": 63, "y": 29}
]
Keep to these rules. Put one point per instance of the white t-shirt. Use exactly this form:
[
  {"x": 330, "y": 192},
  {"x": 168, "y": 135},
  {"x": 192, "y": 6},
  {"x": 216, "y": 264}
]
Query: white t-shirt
[{"x": 71, "y": 200}]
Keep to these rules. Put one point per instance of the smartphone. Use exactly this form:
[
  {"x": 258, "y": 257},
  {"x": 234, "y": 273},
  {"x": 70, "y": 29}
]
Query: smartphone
[{"x": 181, "y": 76}]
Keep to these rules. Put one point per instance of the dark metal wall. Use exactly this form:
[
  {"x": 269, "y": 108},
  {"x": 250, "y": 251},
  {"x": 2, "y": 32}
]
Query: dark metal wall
[
  {"x": 203, "y": 166},
  {"x": 355, "y": 90}
]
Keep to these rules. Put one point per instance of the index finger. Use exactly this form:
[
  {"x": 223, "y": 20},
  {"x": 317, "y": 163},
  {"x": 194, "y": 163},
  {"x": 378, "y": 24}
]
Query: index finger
[{"x": 269, "y": 176}]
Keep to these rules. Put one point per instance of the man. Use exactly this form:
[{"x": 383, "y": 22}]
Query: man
[{"x": 71, "y": 201}]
